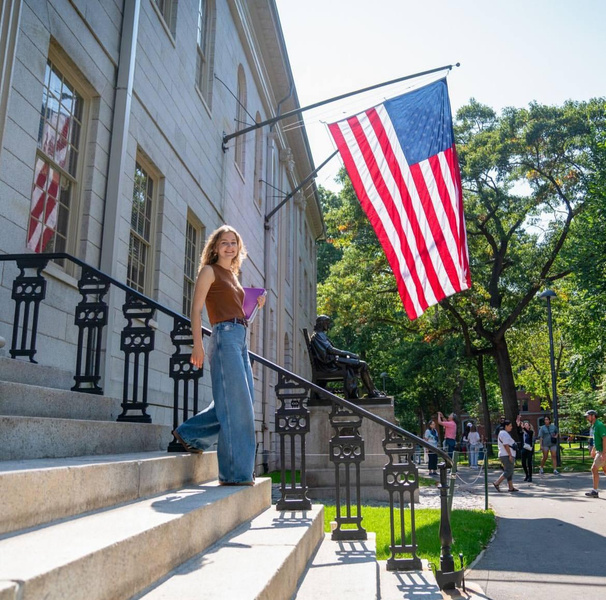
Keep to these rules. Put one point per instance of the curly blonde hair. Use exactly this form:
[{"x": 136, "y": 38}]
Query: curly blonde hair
[{"x": 210, "y": 256}]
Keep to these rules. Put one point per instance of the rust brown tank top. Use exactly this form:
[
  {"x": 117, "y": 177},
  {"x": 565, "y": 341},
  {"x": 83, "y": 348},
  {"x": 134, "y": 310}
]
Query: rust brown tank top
[{"x": 225, "y": 297}]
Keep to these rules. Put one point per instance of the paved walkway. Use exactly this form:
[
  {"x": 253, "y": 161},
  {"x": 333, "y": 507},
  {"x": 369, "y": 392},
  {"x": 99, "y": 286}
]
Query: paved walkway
[{"x": 550, "y": 540}]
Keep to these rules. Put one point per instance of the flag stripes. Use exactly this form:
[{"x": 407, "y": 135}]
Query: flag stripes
[{"x": 416, "y": 210}]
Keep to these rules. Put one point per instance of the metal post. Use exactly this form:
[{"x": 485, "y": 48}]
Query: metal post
[
  {"x": 446, "y": 576},
  {"x": 453, "y": 478},
  {"x": 296, "y": 111},
  {"x": 548, "y": 295},
  {"x": 485, "y": 477}
]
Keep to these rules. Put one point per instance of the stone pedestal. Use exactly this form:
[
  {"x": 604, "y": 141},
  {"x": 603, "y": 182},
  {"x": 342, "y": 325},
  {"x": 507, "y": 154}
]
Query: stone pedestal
[{"x": 321, "y": 471}]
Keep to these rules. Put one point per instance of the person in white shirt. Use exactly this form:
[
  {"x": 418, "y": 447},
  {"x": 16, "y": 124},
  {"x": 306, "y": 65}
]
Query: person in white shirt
[
  {"x": 473, "y": 438},
  {"x": 507, "y": 456}
]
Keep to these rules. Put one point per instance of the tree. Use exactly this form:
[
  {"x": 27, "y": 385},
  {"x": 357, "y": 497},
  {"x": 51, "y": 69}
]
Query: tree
[
  {"x": 425, "y": 370},
  {"x": 526, "y": 176}
]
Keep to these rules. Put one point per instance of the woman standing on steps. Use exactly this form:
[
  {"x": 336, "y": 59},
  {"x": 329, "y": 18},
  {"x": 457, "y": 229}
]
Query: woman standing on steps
[{"x": 230, "y": 416}]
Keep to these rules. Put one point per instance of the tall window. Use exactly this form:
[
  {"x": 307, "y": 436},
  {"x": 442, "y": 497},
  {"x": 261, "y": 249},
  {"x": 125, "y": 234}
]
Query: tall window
[
  {"x": 240, "y": 152},
  {"x": 168, "y": 10},
  {"x": 53, "y": 209},
  {"x": 194, "y": 234},
  {"x": 139, "y": 250},
  {"x": 204, "y": 62}
]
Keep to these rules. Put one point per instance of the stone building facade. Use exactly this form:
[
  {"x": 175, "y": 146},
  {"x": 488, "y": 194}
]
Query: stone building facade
[{"x": 112, "y": 117}]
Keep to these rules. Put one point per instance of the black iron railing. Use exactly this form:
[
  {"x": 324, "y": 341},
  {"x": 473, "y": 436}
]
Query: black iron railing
[
  {"x": 137, "y": 337},
  {"x": 346, "y": 446}
]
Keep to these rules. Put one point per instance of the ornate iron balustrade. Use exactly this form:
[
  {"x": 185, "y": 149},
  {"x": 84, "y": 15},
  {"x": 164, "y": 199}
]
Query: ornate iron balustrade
[
  {"x": 346, "y": 447},
  {"x": 137, "y": 339}
]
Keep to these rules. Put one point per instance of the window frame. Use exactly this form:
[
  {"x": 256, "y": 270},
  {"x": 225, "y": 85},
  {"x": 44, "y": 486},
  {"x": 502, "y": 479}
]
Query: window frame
[
  {"x": 149, "y": 265},
  {"x": 67, "y": 73},
  {"x": 162, "y": 7},
  {"x": 192, "y": 223},
  {"x": 205, "y": 52}
]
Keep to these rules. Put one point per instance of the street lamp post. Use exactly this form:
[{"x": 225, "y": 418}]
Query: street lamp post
[{"x": 548, "y": 295}]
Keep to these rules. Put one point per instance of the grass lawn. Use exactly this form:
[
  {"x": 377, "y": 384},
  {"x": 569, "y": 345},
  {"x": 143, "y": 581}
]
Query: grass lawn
[
  {"x": 277, "y": 478},
  {"x": 472, "y": 529}
]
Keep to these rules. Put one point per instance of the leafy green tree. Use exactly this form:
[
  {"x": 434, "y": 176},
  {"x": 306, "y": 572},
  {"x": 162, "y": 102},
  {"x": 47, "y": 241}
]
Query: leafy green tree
[
  {"x": 526, "y": 176},
  {"x": 588, "y": 252},
  {"x": 425, "y": 372},
  {"x": 327, "y": 253}
]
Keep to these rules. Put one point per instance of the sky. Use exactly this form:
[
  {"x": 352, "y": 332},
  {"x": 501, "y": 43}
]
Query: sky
[{"x": 512, "y": 52}]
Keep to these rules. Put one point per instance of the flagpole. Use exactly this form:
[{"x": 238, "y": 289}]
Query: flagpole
[
  {"x": 303, "y": 183},
  {"x": 297, "y": 111}
]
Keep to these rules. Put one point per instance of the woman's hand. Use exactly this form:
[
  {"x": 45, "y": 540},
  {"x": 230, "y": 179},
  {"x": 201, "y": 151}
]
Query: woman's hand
[
  {"x": 511, "y": 458},
  {"x": 197, "y": 356},
  {"x": 261, "y": 300}
]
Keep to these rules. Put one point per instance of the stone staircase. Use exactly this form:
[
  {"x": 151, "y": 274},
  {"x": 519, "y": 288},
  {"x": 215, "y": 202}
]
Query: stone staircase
[{"x": 96, "y": 509}]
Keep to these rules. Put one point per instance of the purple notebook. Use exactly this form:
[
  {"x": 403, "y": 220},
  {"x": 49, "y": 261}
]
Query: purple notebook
[{"x": 250, "y": 306}]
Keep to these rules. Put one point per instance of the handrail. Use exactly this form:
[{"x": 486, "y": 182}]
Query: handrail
[
  {"x": 255, "y": 357},
  {"x": 119, "y": 284},
  {"x": 351, "y": 406},
  {"x": 400, "y": 474}
]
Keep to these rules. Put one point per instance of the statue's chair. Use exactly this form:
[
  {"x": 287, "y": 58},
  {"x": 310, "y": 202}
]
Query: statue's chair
[{"x": 331, "y": 379}]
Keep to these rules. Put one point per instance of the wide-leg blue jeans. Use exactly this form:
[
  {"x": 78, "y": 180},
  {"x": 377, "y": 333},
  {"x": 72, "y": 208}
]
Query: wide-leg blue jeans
[{"x": 229, "y": 419}]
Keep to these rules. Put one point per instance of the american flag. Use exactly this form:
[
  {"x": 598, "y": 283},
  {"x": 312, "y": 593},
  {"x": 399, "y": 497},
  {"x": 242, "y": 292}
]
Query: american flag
[
  {"x": 44, "y": 207},
  {"x": 402, "y": 162}
]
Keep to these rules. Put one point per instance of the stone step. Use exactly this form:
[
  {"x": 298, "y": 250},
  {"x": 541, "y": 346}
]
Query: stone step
[
  {"x": 347, "y": 566},
  {"x": 23, "y": 371},
  {"x": 261, "y": 560},
  {"x": 38, "y": 437},
  {"x": 114, "y": 554},
  {"x": 25, "y": 400},
  {"x": 39, "y": 491},
  {"x": 8, "y": 590}
]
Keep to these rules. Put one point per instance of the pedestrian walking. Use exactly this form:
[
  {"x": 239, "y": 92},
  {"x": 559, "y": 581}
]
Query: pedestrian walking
[
  {"x": 507, "y": 456},
  {"x": 597, "y": 451},
  {"x": 548, "y": 436}
]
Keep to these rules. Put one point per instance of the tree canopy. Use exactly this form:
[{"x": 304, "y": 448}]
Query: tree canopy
[{"x": 534, "y": 186}]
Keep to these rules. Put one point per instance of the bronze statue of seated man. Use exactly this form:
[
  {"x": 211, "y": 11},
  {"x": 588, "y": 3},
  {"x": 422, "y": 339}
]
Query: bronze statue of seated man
[{"x": 331, "y": 358}]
